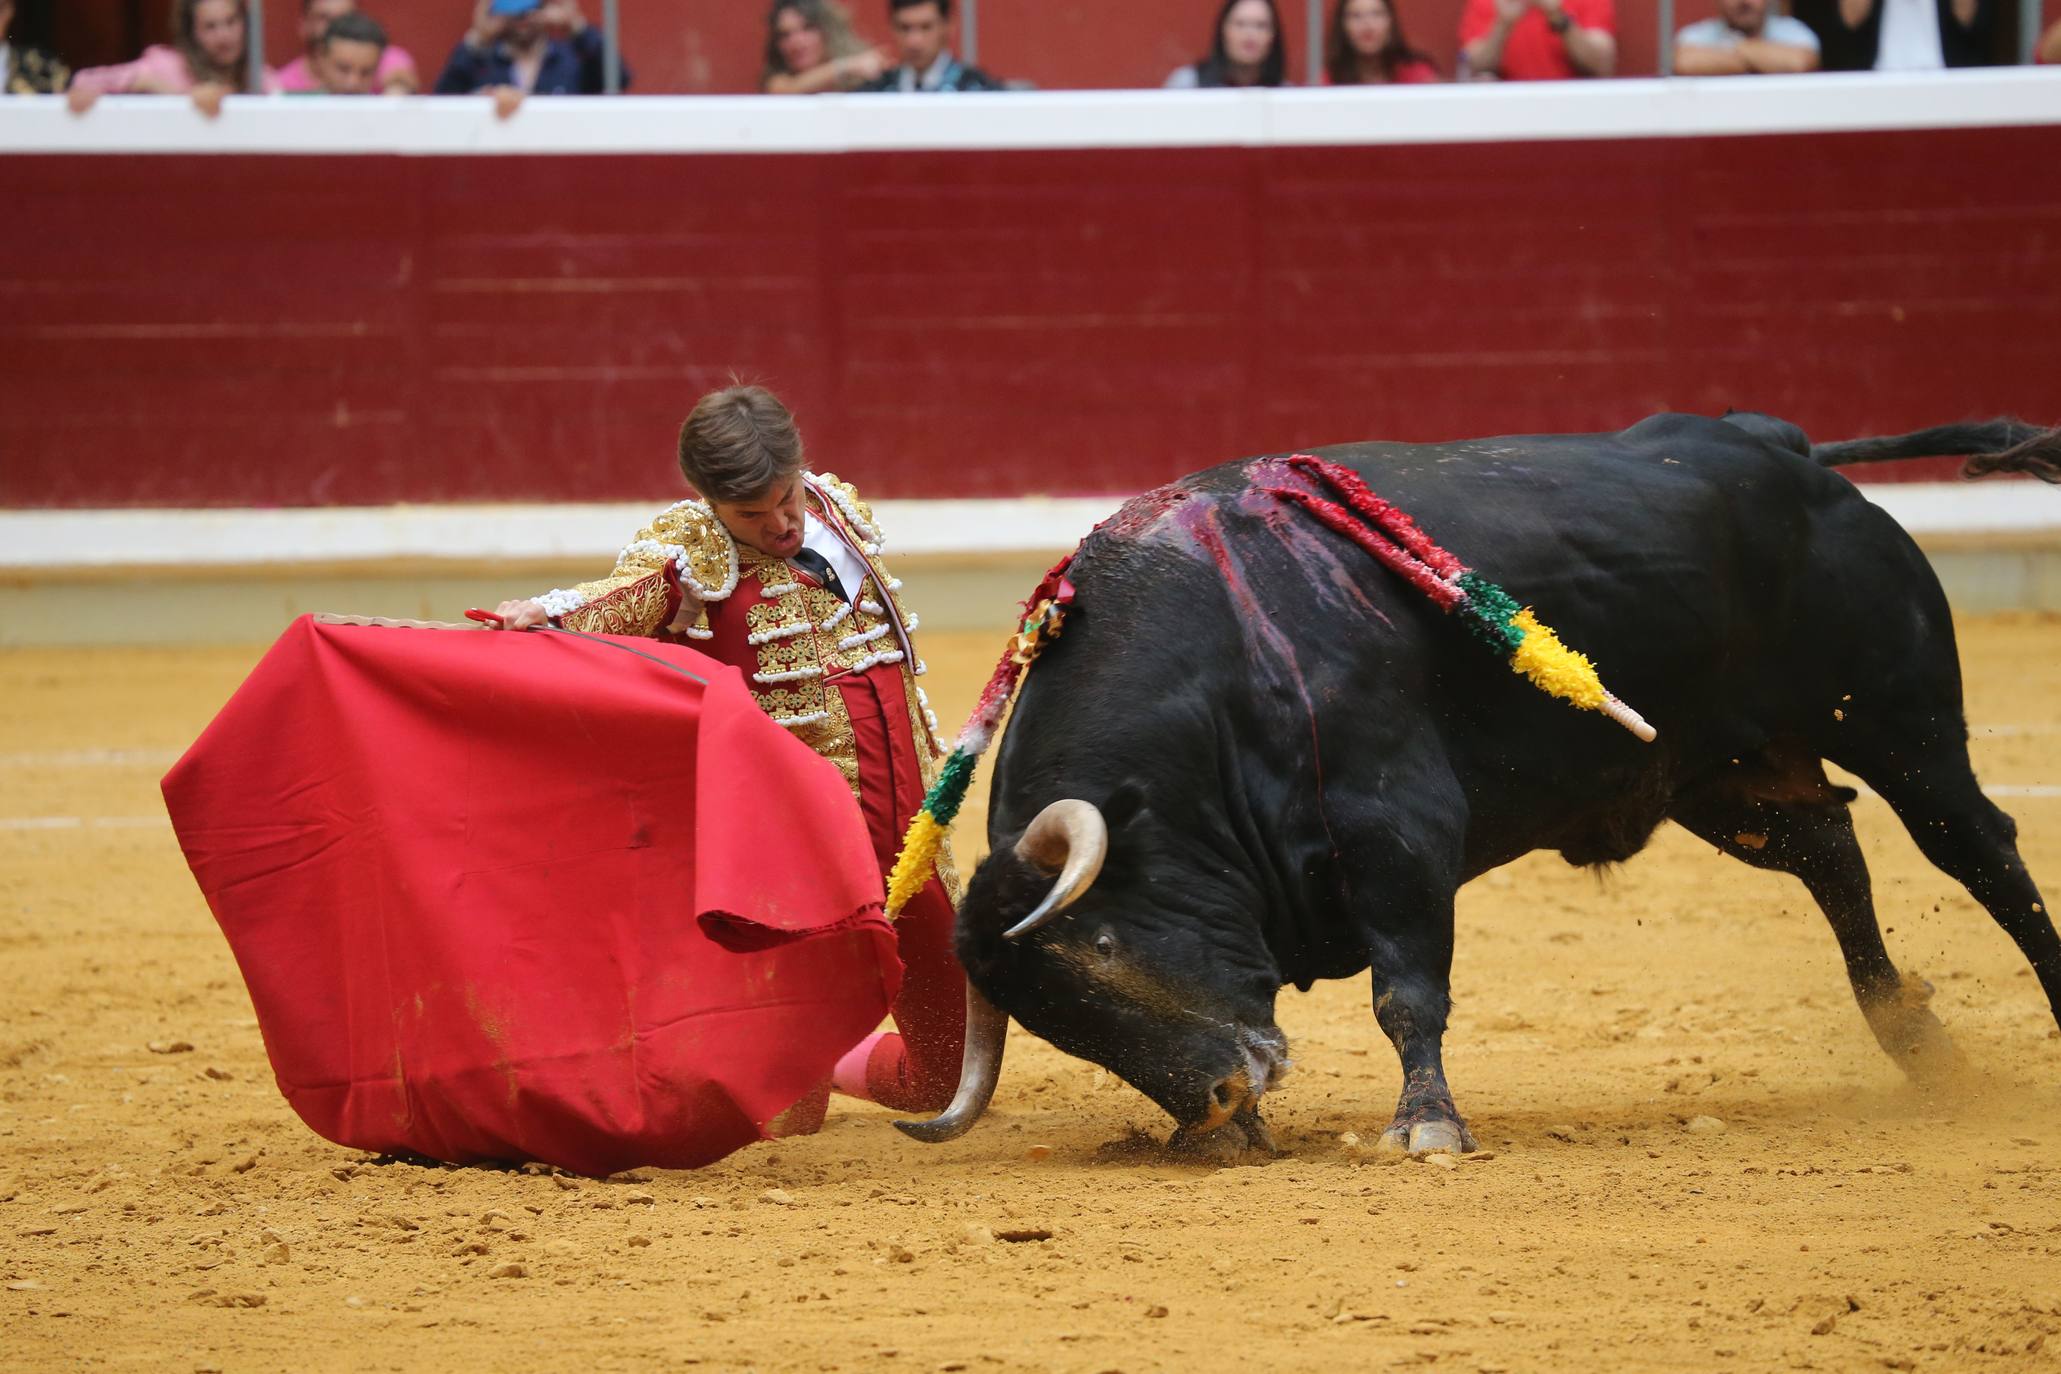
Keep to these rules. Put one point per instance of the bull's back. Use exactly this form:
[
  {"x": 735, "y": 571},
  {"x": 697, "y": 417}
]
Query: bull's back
[{"x": 1716, "y": 576}]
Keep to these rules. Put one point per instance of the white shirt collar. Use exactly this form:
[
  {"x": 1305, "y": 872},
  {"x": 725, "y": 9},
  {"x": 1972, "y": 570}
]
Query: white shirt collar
[
  {"x": 933, "y": 76},
  {"x": 817, "y": 535}
]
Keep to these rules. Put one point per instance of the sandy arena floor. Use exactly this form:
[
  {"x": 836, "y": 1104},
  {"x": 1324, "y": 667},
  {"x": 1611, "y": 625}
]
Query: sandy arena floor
[{"x": 1696, "y": 1158}]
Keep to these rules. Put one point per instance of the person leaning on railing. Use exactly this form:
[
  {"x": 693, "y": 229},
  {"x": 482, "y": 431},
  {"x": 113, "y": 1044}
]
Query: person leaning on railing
[
  {"x": 1743, "y": 39},
  {"x": 811, "y": 48},
  {"x": 208, "y": 57},
  {"x": 396, "y": 74},
  {"x": 347, "y": 58},
  {"x": 518, "y": 48}
]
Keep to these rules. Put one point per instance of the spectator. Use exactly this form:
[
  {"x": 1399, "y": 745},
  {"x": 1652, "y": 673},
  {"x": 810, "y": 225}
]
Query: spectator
[
  {"x": 2050, "y": 46},
  {"x": 1538, "y": 40},
  {"x": 517, "y": 48},
  {"x": 923, "y": 33},
  {"x": 1901, "y": 35},
  {"x": 1367, "y": 47},
  {"x": 1745, "y": 40},
  {"x": 810, "y": 47},
  {"x": 396, "y": 75},
  {"x": 26, "y": 71},
  {"x": 1245, "y": 49},
  {"x": 209, "y": 57},
  {"x": 347, "y": 57}
]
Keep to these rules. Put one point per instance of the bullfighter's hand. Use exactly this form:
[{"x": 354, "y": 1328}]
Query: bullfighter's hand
[{"x": 521, "y": 615}]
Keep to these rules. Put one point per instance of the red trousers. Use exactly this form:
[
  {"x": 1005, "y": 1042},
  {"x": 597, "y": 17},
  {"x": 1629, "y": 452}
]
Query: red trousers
[{"x": 917, "y": 1070}]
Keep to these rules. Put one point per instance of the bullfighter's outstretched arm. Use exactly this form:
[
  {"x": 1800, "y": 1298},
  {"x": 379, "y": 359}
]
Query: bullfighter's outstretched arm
[{"x": 663, "y": 577}]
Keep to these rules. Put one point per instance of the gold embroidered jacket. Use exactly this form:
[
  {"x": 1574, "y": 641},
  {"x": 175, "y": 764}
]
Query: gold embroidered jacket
[{"x": 684, "y": 575}]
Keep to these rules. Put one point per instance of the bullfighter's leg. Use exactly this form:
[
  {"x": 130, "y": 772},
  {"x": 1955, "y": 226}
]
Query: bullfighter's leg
[
  {"x": 1810, "y": 836},
  {"x": 1412, "y": 967},
  {"x": 1967, "y": 837},
  {"x": 915, "y": 1068}
]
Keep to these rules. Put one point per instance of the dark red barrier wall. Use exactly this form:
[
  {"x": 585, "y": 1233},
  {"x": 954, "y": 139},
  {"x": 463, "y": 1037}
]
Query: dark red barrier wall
[{"x": 366, "y": 330}]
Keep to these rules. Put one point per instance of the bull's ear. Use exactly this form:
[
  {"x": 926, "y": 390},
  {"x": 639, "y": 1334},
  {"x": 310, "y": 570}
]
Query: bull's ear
[{"x": 1123, "y": 805}]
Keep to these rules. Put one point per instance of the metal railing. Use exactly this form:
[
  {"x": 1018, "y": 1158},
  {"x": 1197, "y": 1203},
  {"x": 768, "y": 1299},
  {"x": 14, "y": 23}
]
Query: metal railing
[{"x": 254, "y": 46}]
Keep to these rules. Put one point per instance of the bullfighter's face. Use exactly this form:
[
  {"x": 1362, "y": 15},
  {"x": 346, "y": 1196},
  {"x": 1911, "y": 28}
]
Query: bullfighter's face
[{"x": 771, "y": 522}]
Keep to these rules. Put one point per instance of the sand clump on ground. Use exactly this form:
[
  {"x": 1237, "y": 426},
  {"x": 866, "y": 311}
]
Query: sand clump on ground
[{"x": 1693, "y": 1154}]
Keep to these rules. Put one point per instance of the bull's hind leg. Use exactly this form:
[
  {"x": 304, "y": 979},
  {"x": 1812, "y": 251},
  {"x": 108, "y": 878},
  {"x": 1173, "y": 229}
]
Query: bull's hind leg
[
  {"x": 1966, "y": 836},
  {"x": 1781, "y": 814}
]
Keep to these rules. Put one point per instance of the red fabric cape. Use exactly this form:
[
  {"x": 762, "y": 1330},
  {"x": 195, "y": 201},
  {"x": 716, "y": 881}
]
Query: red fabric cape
[{"x": 527, "y": 897}]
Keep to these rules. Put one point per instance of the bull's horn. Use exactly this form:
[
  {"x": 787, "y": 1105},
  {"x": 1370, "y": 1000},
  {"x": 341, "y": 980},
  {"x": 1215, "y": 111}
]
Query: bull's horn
[
  {"x": 987, "y": 1027},
  {"x": 1071, "y": 839}
]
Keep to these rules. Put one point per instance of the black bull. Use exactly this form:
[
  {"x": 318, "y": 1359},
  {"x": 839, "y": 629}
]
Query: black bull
[{"x": 1256, "y": 758}]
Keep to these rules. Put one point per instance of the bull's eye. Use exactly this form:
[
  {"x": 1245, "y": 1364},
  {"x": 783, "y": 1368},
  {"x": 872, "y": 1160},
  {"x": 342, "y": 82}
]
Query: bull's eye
[{"x": 1105, "y": 945}]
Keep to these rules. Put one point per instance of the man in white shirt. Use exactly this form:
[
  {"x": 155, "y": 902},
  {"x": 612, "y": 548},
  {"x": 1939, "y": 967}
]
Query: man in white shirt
[{"x": 1745, "y": 40}]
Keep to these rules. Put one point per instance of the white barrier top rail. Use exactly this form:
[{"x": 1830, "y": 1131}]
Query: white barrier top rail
[
  {"x": 1289, "y": 117},
  {"x": 45, "y": 541}
]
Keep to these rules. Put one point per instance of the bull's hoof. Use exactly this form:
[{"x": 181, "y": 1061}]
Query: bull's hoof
[
  {"x": 1244, "y": 1139},
  {"x": 1426, "y": 1137},
  {"x": 1912, "y": 1036}
]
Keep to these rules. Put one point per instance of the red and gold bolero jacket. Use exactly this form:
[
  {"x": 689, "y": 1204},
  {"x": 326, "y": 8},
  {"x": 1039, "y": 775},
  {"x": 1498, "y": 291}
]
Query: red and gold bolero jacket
[{"x": 683, "y": 575}]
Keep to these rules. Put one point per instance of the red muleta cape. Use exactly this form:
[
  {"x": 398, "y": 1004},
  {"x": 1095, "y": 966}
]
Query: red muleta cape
[{"x": 527, "y": 897}]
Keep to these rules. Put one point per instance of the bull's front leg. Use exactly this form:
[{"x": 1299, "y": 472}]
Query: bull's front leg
[{"x": 1412, "y": 959}]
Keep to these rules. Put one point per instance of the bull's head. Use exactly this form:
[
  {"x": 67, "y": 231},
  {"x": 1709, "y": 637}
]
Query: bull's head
[{"x": 1182, "y": 1013}]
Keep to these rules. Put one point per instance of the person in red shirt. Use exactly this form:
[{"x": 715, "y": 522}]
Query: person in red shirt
[
  {"x": 1367, "y": 47},
  {"x": 1538, "y": 40}
]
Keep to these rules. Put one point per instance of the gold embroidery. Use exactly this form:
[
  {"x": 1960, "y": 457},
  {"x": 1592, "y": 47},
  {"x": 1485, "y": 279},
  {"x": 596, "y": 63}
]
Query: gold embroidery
[
  {"x": 711, "y": 553},
  {"x": 831, "y": 736},
  {"x": 630, "y": 606}
]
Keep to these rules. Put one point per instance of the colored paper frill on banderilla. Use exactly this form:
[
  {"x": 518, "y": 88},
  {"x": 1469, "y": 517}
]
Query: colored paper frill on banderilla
[{"x": 527, "y": 897}]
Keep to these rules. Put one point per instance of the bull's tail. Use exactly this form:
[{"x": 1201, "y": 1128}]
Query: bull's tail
[{"x": 2001, "y": 445}]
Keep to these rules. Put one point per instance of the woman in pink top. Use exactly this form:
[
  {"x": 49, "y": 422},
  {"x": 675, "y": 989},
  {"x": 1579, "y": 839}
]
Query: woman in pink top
[
  {"x": 209, "y": 57},
  {"x": 1367, "y": 47},
  {"x": 396, "y": 74}
]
